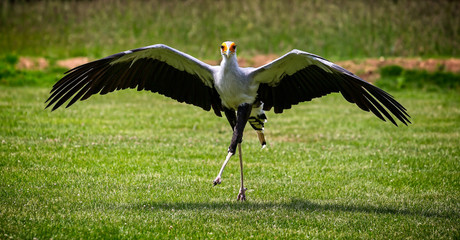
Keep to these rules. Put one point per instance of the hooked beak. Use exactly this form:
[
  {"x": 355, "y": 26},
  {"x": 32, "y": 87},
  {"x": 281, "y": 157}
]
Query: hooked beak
[
  {"x": 228, "y": 49},
  {"x": 226, "y": 53}
]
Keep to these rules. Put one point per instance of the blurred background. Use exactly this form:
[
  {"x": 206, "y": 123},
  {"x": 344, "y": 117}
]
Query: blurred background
[
  {"x": 336, "y": 29},
  {"x": 53, "y": 31}
]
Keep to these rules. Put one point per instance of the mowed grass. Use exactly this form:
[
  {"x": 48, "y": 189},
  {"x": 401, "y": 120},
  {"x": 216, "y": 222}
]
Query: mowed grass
[{"x": 139, "y": 165}]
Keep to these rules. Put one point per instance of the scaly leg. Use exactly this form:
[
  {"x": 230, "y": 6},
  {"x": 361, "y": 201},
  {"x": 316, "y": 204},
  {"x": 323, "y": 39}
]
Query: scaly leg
[
  {"x": 241, "y": 194},
  {"x": 231, "y": 117},
  {"x": 218, "y": 179}
]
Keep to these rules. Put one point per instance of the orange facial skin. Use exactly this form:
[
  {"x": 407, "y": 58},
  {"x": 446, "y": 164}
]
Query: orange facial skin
[
  {"x": 232, "y": 47},
  {"x": 228, "y": 46}
]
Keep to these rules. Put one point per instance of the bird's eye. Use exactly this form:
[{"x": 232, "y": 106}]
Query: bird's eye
[
  {"x": 222, "y": 47},
  {"x": 233, "y": 47}
]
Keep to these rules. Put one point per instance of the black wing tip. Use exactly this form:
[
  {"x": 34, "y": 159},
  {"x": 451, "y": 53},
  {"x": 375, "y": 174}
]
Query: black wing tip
[
  {"x": 52, "y": 110},
  {"x": 402, "y": 118},
  {"x": 48, "y": 105},
  {"x": 56, "y": 106}
]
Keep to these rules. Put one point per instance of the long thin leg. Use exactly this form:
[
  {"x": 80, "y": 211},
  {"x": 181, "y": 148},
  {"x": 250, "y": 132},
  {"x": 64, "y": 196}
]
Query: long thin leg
[
  {"x": 231, "y": 117},
  {"x": 241, "y": 195},
  {"x": 238, "y": 123},
  {"x": 218, "y": 179}
]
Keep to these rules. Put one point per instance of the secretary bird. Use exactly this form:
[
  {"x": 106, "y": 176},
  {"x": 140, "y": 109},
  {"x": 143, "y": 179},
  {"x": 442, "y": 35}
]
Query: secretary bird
[{"x": 243, "y": 94}]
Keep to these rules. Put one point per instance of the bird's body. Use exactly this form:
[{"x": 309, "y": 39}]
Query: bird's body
[
  {"x": 234, "y": 84},
  {"x": 243, "y": 94}
]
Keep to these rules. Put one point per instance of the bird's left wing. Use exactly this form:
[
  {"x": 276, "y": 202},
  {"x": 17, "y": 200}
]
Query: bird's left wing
[
  {"x": 157, "y": 68},
  {"x": 299, "y": 76}
]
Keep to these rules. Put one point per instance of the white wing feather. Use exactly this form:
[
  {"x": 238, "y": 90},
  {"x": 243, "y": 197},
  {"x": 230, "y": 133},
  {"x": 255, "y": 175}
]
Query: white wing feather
[
  {"x": 173, "y": 57},
  {"x": 289, "y": 64}
]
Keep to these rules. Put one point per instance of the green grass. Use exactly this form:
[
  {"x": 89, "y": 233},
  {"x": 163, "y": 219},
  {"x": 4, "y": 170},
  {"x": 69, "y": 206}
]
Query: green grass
[
  {"x": 334, "y": 29},
  {"x": 396, "y": 77},
  {"x": 137, "y": 165},
  {"x": 11, "y": 76}
]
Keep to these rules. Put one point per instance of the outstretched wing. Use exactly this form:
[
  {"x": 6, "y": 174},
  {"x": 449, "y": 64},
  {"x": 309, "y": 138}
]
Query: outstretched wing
[
  {"x": 300, "y": 76},
  {"x": 157, "y": 68}
]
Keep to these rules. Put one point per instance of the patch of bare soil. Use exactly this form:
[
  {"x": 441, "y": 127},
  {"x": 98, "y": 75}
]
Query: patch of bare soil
[
  {"x": 72, "y": 62},
  {"x": 367, "y": 69},
  {"x": 29, "y": 63},
  {"x": 260, "y": 60}
]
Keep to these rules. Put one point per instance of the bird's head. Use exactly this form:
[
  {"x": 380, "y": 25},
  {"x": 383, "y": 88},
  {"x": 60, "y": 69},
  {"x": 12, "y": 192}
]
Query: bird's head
[{"x": 228, "y": 49}]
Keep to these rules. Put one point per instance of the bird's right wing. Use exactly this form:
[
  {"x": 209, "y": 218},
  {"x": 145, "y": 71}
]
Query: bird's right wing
[{"x": 157, "y": 68}]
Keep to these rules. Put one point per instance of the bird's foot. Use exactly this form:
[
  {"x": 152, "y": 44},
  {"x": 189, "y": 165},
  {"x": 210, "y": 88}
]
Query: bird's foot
[
  {"x": 216, "y": 181},
  {"x": 242, "y": 195}
]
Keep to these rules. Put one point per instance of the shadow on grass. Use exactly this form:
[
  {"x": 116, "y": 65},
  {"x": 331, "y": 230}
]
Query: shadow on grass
[{"x": 294, "y": 204}]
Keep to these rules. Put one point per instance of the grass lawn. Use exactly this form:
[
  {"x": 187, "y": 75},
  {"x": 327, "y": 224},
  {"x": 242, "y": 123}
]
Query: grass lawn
[
  {"x": 135, "y": 165},
  {"x": 139, "y": 165}
]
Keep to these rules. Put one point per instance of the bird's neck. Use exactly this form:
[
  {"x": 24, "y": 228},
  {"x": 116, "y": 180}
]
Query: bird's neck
[{"x": 229, "y": 63}]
